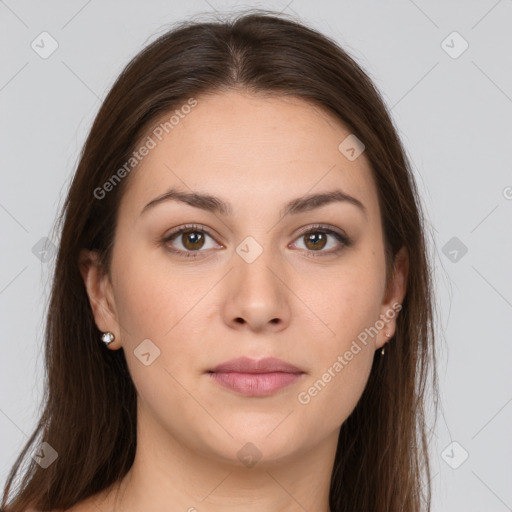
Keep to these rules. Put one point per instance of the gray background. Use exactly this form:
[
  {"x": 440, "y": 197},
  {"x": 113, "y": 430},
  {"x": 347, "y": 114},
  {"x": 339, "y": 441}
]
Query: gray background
[{"x": 452, "y": 111}]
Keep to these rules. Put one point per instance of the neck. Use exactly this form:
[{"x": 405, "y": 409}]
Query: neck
[{"x": 167, "y": 472}]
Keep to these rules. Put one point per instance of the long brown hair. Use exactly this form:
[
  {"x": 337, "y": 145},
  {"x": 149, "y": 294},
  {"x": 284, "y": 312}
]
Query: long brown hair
[{"x": 89, "y": 414}]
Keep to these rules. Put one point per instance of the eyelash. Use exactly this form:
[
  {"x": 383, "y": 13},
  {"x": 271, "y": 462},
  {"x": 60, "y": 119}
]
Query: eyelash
[{"x": 317, "y": 228}]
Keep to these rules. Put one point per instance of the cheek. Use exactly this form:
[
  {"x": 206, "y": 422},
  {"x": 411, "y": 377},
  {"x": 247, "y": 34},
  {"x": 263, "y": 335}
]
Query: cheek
[
  {"x": 344, "y": 351},
  {"x": 156, "y": 301},
  {"x": 347, "y": 307},
  {"x": 152, "y": 297},
  {"x": 344, "y": 302},
  {"x": 154, "y": 304},
  {"x": 333, "y": 393}
]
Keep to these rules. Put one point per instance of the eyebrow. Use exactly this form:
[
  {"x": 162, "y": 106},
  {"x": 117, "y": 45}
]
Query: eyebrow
[{"x": 214, "y": 204}]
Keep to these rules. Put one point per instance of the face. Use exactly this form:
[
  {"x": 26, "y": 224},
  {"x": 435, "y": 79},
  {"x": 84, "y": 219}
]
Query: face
[{"x": 266, "y": 273}]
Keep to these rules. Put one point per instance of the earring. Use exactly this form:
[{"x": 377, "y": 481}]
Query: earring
[
  {"x": 107, "y": 337},
  {"x": 383, "y": 349}
]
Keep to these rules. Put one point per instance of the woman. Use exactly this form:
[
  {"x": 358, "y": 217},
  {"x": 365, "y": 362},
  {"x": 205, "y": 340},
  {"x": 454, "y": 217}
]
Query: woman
[{"x": 241, "y": 313}]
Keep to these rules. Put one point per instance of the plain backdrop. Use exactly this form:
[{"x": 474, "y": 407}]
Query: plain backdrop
[{"x": 443, "y": 68}]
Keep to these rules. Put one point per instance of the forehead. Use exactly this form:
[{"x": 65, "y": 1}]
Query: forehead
[{"x": 257, "y": 148}]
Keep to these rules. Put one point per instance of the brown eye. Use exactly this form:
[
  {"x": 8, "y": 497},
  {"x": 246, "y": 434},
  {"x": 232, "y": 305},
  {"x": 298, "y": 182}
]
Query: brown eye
[
  {"x": 192, "y": 240},
  {"x": 316, "y": 240},
  {"x": 322, "y": 241}
]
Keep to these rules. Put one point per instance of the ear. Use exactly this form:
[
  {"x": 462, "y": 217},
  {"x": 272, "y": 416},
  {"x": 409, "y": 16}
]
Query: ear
[
  {"x": 393, "y": 297},
  {"x": 99, "y": 291}
]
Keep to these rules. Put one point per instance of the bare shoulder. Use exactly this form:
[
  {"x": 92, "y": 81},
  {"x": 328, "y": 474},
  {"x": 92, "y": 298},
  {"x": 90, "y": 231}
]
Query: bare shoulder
[
  {"x": 92, "y": 504},
  {"x": 83, "y": 506},
  {"x": 102, "y": 501}
]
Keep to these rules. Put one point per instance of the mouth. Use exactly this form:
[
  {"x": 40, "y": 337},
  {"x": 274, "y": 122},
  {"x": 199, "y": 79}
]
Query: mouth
[{"x": 251, "y": 377}]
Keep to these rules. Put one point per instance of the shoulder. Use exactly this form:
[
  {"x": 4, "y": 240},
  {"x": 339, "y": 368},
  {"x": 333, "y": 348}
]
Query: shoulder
[
  {"x": 102, "y": 501},
  {"x": 87, "y": 505}
]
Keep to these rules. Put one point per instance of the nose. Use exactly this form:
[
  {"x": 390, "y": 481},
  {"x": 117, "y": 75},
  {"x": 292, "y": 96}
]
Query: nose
[{"x": 257, "y": 297}]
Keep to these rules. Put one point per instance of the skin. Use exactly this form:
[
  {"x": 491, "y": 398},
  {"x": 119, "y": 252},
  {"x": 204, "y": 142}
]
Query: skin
[{"x": 257, "y": 154}]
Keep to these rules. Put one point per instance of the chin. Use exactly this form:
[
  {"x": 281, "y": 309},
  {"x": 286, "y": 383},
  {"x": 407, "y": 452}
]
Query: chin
[{"x": 251, "y": 447}]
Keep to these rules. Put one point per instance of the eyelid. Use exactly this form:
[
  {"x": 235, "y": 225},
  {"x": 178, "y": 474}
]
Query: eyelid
[
  {"x": 187, "y": 227},
  {"x": 321, "y": 227}
]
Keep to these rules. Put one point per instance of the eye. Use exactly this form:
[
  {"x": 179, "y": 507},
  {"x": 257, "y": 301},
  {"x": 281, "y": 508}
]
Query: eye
[
  {"x": 190, "y": 239},
  {"x": 316, "y": 238}
]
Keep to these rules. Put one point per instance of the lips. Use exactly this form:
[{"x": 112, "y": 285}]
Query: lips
[
  {"x": 247, "y": 365},
  {"x": 251, "y": 377}
]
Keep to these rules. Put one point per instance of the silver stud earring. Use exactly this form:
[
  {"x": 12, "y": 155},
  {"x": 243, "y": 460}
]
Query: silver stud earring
[{"x": 107, "y": 337}]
